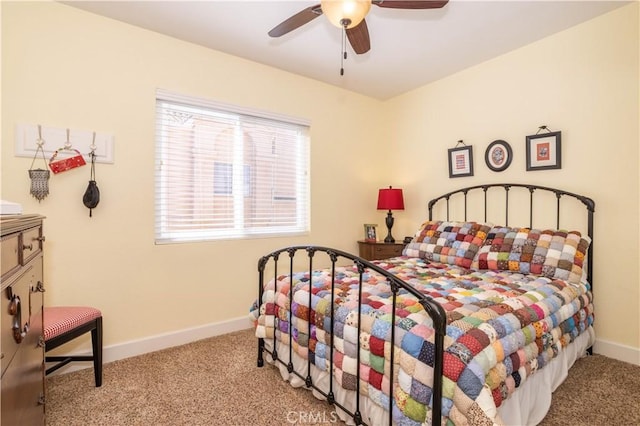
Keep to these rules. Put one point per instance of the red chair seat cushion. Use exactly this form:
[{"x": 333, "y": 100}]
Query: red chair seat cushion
[{"x": 60, "y": 319}]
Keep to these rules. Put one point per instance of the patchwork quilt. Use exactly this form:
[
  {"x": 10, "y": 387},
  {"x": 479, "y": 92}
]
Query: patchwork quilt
[{"x": 502, "y": 326}]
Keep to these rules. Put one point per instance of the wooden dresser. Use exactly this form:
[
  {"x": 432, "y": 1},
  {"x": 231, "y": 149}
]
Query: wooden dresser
[{"x": 22, "y": 344}]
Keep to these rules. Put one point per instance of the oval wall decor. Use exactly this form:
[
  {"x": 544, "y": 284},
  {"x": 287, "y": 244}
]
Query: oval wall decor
[{"x": 498, "y": 155}]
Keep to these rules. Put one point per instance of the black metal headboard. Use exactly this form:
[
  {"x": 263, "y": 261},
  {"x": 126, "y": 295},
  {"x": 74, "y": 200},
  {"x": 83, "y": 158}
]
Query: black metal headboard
[{"x": 506, "y": 187}]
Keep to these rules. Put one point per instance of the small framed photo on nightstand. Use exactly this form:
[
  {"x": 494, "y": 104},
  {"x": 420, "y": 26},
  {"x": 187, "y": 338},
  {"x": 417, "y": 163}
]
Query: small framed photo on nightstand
[{"x": 370, "y": 234}]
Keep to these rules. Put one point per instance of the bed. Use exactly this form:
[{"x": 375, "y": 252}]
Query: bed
[{"x": 485, "y": 317}]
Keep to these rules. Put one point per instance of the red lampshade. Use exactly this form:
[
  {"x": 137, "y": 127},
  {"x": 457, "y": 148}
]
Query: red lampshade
[{"x": 390, "y": 199}]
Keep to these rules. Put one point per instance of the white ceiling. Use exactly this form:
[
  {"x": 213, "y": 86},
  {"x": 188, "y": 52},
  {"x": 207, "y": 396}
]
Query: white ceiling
[{"x": 409, "y": 48}]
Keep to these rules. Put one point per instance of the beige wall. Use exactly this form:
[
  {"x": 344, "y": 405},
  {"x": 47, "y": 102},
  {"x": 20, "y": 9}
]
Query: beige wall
[
  {"x": 584, "y": 82},
  {"x": 63, "y": 67},
  {"x": 67, "y": 68}
]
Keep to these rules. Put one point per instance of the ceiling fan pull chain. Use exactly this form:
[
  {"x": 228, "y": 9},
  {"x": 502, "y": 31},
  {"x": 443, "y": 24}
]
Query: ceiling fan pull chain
[{"x": 343, "y": 54}]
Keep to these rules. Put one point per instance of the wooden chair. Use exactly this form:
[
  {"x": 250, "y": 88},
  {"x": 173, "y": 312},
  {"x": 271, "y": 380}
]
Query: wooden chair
[{"x": 63, "y": 324}]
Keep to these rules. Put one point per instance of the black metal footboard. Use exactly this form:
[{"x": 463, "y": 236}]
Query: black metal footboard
[{"x": 433, "y": 309}]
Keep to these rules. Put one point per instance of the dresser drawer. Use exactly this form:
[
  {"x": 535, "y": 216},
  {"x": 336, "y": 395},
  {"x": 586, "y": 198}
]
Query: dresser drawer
[
  {"x": 23, "y": 390},
  {"x": 379, "y": 250},
  {"x": 31, "y": 244},
  {"x": 383, "y": 251},
  {"x": 18, "y": 291},
  {"x": 9, "y": 249}
]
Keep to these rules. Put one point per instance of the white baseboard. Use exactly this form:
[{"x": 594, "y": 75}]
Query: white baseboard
[
  {"x": 617, "y": 351},
  {"x": 160, "y": 341},
  {"x": 175, "y": 338}
]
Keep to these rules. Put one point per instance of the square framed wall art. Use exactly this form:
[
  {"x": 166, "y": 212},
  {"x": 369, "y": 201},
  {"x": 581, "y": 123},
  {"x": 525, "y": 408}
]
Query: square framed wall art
[
  {"x": 461, "y": 161},
  {"x": 544, "y": 151}
]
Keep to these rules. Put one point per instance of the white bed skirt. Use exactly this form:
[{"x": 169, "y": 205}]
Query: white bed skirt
[{"x": 526, "y": 406}]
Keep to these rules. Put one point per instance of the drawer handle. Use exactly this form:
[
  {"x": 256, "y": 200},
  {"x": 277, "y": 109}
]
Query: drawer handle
[
  {"x": 27, "y": 247},
  {"x": 39, "y": 288},
  {"x": 41, "y": 238},
  {"x": 15, "y": 309},
  {"x": 18, "y": 334},
  {"x": 14, "y": 305}
]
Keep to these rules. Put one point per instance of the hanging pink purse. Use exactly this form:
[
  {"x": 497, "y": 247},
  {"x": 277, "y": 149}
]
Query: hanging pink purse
[{"x": 65, "y": 164}]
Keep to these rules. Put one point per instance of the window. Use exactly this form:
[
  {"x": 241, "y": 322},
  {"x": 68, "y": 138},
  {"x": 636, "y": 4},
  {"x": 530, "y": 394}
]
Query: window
[
  {"x": 222, "y": 179},
  {"x": 226, "y": 172}
]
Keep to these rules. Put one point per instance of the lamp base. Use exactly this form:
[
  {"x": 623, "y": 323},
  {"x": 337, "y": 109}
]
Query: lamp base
[{"x": 389, "y": 223}]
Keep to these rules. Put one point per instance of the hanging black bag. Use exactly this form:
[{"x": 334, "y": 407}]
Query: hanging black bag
[{"x": 91, "y": 196}]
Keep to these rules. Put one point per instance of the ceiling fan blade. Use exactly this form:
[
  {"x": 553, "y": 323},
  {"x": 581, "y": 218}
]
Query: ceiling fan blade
[
  {"x": 359, "y": 38},
  {"x": 296, "y": 21},
  {"x": 408, "y": 4}
]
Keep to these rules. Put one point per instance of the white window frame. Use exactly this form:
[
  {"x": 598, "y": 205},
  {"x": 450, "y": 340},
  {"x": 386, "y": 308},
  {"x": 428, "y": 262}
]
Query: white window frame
[{"x": 163, "y": 231}]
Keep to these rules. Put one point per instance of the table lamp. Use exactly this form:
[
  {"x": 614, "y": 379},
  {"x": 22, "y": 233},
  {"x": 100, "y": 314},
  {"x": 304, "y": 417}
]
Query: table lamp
[{"x": 390, "y": 199}]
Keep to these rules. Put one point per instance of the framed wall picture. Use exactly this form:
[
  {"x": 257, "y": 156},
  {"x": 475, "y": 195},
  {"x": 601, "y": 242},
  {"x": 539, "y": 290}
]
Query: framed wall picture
[
  {"x": 544, "y": 151},
  {"x": 498, "y": 155},
  {"x": 370, "y": 234},
  {"x": 461, "y": 161}
]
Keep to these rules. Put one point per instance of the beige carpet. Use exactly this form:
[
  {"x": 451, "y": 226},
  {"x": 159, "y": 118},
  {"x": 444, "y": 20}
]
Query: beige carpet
[{"x": 216, "y": 382}]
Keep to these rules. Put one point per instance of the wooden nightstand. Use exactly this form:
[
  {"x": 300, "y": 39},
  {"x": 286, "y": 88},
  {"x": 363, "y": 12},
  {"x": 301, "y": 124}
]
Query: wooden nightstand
[{"x": 379, "y": 249}]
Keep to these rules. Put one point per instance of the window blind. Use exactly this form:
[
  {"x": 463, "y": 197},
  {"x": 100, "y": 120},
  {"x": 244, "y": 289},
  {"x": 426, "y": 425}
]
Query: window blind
[{"x": 223, "y": 172}]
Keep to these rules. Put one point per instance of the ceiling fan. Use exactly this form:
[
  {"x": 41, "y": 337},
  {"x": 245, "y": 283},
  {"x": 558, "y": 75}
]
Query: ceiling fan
[{"x": 349, "y": 15}]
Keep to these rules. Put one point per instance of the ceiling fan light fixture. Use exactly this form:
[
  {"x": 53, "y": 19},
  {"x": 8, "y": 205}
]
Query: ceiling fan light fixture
[{"x": 345, "y": 13}]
